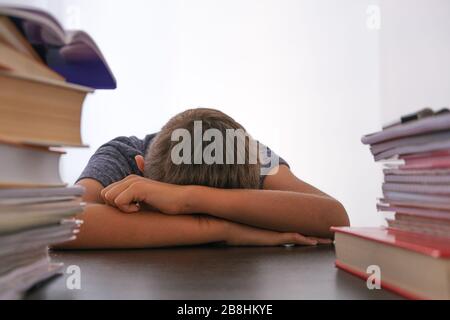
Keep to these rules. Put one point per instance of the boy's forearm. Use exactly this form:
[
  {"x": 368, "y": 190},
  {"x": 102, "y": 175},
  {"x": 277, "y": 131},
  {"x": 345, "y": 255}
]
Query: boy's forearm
[
  {"x": 106, "y": 227},
  {"x": 282, "y": 211}
]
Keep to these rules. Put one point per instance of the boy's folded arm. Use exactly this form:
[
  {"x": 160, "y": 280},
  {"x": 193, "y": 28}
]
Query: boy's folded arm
[
  {"x": 286, "y": 205},
  {"x": 280, "y": 211},
  {"x": 105, "y": 227}
]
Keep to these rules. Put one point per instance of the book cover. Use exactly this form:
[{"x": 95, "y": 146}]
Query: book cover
[
  {"x": 427, "y": 245},
  {"x": 72, "y": 54}
]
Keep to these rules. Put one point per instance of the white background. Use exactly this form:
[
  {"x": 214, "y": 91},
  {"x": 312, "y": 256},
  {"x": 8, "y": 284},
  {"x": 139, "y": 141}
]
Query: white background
[{"x": 306, "y": 77}]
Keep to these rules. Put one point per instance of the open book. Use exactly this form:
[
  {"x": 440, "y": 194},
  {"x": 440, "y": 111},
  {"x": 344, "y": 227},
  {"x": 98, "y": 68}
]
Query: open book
[{"x": 72, "y": 54}]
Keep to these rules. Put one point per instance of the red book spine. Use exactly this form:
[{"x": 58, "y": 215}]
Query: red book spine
[
  {"x": 426, "y": 155},
  {"x": 427, "y": 163}
]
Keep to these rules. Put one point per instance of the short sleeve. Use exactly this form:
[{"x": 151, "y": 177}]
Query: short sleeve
[
  {"x": 114, "y": 161},
  {"x": 269, "y": 160}
]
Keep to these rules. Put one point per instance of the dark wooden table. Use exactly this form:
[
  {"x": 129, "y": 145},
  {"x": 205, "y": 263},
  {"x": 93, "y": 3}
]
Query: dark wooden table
[{"x": 207, "y": 273}]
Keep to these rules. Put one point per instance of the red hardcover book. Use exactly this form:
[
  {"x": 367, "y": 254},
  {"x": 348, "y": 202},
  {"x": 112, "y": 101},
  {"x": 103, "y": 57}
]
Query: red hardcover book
[{"x": 412, "y": 265}]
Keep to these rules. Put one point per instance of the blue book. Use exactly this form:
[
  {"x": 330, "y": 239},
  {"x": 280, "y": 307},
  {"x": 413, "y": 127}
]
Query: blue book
[{"x": 72, "y": 54}]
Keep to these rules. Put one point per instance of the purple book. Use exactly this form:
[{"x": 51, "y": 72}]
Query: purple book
[{"x": 72, "y": 54}]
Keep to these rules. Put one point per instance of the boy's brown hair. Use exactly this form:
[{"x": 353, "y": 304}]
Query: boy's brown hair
[{"x": 160, "y": 167}]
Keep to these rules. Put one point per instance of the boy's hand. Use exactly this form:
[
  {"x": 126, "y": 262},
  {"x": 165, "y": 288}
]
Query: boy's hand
[
  {"x": 128, "y": 195},
  {"x": 243, "y": 235}
]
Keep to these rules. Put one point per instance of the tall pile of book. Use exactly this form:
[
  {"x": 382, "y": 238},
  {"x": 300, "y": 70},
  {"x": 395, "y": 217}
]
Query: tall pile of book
[
  {"x": 413, "y": 252},
  {"x": 44, "y": 78}
]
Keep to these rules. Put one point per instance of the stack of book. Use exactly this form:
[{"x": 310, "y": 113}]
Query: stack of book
[
  {"x": 45, "y": 76},
  {"x": 413, "y": 252}
]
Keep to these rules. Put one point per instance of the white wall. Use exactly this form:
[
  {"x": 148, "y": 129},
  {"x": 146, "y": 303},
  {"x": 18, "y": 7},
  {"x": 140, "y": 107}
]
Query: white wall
[
  {"x": 415, "y": 56},
  {"x": 302, "y": 76}
]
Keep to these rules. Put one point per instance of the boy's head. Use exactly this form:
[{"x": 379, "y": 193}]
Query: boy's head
[{"x": 191, "y": 136}]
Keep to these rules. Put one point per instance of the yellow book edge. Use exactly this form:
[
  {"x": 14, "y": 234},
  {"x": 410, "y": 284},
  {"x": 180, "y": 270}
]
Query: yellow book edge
[
  {"x": 11, "y": 185},
  {"x": 46, "y": 81}
]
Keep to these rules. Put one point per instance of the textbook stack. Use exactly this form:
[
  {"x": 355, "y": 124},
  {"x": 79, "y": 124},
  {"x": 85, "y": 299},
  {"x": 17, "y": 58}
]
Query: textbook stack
[
  {"x": 44, "y": 78},
  {"x": 413, "y": 252}
]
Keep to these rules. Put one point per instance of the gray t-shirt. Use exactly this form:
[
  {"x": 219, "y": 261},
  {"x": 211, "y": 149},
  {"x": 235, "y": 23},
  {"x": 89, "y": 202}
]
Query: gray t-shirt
[{"x": 114, "y": 160}]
